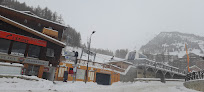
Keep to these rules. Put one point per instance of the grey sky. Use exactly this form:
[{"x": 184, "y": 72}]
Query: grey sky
[{"x": 127, "y": 23}]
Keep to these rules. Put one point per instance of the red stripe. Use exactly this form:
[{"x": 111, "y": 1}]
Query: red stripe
[{"x": 24, "y": 39}]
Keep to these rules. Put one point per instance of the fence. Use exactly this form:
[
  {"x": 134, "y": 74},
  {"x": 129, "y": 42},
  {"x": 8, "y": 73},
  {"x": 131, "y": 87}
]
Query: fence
[{"x": 195, "y": 75}]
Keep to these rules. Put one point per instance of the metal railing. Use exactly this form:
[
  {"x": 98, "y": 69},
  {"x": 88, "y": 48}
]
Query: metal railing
[
  {"x": 146, "y": 62},
  {"x": 194, "y": 75}
]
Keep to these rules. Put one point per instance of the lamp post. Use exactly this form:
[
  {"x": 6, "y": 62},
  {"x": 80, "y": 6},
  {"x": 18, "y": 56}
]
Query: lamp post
[{"x": 89, "y": 45}]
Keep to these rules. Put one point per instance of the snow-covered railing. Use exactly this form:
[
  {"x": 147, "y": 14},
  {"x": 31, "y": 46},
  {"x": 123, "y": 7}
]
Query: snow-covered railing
[
  {"x": 194, "y": 75},
  {"x": 158, "y": 65}
]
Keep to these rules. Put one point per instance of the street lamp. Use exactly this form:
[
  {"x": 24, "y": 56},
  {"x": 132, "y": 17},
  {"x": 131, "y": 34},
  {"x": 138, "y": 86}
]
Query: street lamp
[{"x": 89, "y": 45}]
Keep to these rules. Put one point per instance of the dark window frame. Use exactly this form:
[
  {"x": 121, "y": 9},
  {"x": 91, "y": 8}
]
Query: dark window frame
[
  {"x": 12, "y": 47},
  {"x": 28, "y": 51},
  {"x": 8, "y": 47},
  {"x": 49, "y": 52}
]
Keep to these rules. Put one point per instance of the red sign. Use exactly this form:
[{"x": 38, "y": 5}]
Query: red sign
[
  {"x": 20, "y": 38},
  {"x": 46, "y": 69}
]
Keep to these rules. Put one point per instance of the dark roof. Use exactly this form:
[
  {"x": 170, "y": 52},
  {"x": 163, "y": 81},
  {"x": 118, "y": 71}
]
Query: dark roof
[{"x": 26, "y": 13}]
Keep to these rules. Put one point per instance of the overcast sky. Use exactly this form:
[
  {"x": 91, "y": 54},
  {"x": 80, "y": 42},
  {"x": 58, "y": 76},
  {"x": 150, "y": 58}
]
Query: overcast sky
[{"x": 127, "y": 23}]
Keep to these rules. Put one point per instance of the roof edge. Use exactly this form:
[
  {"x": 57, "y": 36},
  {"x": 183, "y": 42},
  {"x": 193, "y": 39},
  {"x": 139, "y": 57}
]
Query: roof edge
[{"x": 32, "y": 16}]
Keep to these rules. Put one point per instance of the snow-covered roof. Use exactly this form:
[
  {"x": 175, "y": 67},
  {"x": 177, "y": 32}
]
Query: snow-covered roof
[
  {"x": 195, "y": 68},
  {"x": 29, "y": 12},
  {"x": 32, "y": 15},
  {"x": 100, "y": 58},
  {"x": 125, "y": 61},
  {"x": 32, "y": 31},
  {"x": 11, "y": 64}
]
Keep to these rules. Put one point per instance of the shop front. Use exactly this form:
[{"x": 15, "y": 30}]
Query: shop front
[
  {"x": 32, "y": 67},
  {"x": 15, "y": 48},
  {"x": 32, "y": 41}
]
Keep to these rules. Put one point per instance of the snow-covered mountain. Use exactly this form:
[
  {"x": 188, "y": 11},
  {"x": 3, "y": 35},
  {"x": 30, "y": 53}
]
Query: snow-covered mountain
[{"x": 173, "y": 43}]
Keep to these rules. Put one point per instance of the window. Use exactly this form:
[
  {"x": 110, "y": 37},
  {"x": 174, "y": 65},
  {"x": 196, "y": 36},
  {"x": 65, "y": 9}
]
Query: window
[
  {"x": 18, "y": 48},
  {"x": 4, "y": 45},
  {"x": 33, "y": 51},
  {"x": 50, "y": 52}
]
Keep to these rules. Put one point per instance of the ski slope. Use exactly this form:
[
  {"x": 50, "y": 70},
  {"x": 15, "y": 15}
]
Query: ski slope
[{"x": 21, "y": 85}]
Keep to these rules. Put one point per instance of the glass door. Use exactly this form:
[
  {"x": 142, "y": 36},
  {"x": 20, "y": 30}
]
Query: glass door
[{"x": 32, "y": 70}]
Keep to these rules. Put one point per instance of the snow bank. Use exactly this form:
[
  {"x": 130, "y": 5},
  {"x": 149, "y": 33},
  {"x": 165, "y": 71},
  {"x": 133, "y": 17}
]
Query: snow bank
[{"x": 21, "y": 85}]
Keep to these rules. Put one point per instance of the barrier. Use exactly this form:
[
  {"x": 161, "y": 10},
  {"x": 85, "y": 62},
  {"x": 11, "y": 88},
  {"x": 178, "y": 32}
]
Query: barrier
[{"x": 194, "y": 75}]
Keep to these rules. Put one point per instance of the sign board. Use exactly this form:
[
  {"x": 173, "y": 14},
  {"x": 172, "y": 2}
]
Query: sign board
[
  {"x": 36, "y": 61},
  {"x": 22, "y": 59},
  {"x": 24, "y": 39},
  {"x": 75, "y": 69},
  {"x": 70, "y": 58},
  {"x": 67, "y": 53},
  {"x": 9, "y": 58},
  {"x": 46, "y": 69}
]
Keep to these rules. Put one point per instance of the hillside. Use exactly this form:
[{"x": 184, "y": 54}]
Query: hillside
[{"x": 173, "y": 43}]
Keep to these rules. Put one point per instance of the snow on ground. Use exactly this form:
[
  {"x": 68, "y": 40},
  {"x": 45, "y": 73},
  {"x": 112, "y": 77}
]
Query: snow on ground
[{"x": 20, "y": 85}]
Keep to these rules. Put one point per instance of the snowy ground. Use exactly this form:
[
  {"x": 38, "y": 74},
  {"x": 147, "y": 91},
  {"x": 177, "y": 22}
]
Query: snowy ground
[{"x": 21, "y": 85}]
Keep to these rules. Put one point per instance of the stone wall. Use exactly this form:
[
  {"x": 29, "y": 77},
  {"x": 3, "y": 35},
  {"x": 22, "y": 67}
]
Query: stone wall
[{"x": 195, "y": 84}]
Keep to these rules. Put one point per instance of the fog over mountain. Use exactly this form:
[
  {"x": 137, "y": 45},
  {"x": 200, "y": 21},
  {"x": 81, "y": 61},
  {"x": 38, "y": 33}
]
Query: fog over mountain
[{"x": 173, "y": 43}]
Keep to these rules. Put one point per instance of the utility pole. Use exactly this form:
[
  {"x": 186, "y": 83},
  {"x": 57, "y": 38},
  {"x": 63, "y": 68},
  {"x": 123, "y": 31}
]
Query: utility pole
[
  {"x": 75, "y": 66},
  {"x": 89, "y": 45}
]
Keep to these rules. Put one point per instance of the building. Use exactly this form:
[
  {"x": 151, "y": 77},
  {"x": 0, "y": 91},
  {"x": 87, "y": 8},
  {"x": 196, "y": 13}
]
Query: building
[
  {"x": 194, "y": 59},
  {"x": 30, "y": 40},
  {"x": 99, "y": 70},
  {"x": 194, "y": 68},
  {"x": 164, "y": 58}
]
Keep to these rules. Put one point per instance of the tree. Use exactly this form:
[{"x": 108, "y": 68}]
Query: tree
[
  {"x": 54, "y": 16},
  {"x": 60, "y": 19},
  {"x": 70, "y": 35},
  {"x": 121, "y": 53},
  {"x": 102, "y": 51},
  {"x": 1, "y": 1}
]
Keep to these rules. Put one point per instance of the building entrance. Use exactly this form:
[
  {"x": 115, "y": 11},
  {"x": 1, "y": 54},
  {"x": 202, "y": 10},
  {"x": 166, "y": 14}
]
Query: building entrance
[
  {"x": 103, "y": 79},
  {"x": 32, "y": 70}
]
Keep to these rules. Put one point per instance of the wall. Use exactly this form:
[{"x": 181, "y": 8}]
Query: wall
[
  {"x": 10, "y": 70},
  {"x": 51, "y": 74},
  {"x": 130, "y": 75},
  {"x": 196, "y": 85},
  {"x": 150, "y": 74}
]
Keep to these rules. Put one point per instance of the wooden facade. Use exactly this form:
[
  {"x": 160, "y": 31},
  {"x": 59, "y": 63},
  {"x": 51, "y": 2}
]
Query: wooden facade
[
  {"x": 31, "y": 21},
  {"x": 92, "y": 75},
  {"x": 28, "y": 26}
]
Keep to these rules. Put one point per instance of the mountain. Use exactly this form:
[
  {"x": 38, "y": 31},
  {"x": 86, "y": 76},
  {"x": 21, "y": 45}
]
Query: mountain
[{"x": 173, "y": 43}]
